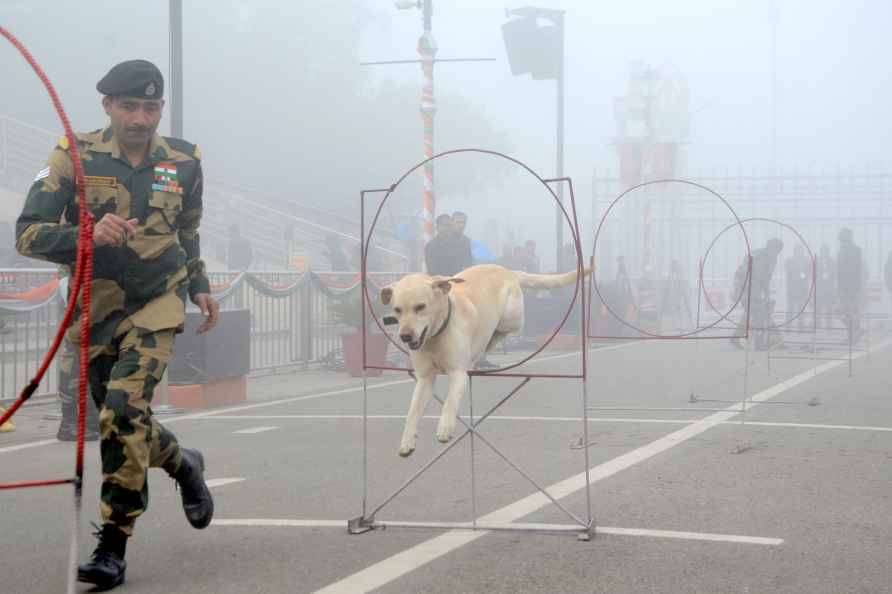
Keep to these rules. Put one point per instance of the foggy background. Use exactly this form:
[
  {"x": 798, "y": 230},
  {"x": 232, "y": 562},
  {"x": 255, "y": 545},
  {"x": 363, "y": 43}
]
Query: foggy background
[{"x": 284, "y": 113}]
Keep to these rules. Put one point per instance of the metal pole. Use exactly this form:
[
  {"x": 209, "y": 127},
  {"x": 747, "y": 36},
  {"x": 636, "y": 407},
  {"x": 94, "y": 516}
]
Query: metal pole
[
  {"x": 427, "y": 49},
  {"x": 558, "y": 215},
  {"x": 176, "y": 68},
  {"x": 162, "y": 405}
]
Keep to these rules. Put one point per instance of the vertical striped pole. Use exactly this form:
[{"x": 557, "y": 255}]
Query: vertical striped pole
[{"x": 427, "y": 49}]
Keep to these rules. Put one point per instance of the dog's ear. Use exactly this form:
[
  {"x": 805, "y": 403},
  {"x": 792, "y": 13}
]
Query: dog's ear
[
  {"x": 446, "y": 284},
  {"x": 386, "y": 295}
]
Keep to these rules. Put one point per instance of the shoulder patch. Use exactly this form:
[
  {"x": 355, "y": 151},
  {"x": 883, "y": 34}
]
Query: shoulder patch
[
  {"x": 182, "y": 146},
  {"x": 197, "y": 153},
  {"x": 63, "y": 143}
]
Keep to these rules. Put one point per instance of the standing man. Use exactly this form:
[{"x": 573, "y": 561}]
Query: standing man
[
  {"x": 825, "y": 286},
  {"x": 145, "y": 192},
  {"x": 797, "y": 270},
  {"x": 444, "y": 255},
  {"x": 239, "y": 251},
  {"x": 757, "y": 297},
  {"x": 464, "y": 250},
  {"x": 850, "y": 283}
]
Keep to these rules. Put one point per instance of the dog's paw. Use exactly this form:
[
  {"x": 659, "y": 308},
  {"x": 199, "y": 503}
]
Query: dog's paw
[
  {"x": 445, "y": 429},
  {"x": 407, "y": 446}
]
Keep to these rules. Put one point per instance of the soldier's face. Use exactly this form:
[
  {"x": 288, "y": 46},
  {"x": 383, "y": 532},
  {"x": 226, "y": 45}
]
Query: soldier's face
[{"x": 134, "y": 121}]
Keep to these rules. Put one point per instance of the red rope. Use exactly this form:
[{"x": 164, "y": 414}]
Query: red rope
[{"x": 82, "y": 278}]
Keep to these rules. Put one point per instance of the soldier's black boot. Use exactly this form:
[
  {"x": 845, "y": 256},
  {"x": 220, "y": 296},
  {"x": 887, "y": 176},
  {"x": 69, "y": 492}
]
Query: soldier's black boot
[
  {"x": 197, "y": 501},
  {"x": 106, "y": 567}
]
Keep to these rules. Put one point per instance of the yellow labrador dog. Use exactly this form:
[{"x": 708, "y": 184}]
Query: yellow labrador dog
[{"x": 449, "y": 323}]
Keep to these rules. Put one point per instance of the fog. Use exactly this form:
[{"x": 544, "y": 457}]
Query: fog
[{"x": 277, "y": 99}]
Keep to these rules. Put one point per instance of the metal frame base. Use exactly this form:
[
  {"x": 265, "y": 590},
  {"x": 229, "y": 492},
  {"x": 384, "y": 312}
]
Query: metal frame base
[{"x": 361, "y": 525}]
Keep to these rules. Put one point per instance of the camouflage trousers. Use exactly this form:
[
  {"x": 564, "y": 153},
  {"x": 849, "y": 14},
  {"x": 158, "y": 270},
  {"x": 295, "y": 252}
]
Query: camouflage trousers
[{"x": 123, "y": 376}]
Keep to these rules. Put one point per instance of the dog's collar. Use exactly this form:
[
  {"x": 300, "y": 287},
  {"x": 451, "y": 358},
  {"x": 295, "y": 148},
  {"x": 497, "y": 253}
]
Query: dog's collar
[{"x": 446, "y": 323}]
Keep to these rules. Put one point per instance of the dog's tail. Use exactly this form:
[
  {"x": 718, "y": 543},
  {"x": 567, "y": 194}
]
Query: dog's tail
[{"x": 547, "y": 281}]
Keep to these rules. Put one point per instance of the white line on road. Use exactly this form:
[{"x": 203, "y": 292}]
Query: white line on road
[
  {"x": 544, "y": 419},
  {"x": 816, "y": 426},
  {"x": 219, "y": 482},
  {"x": 231, "y": 409},
  {"x": 342, "y": 524},
  {"x": 434, "y": 418},
  {"x": 394, "y": 567},
  {"x": 253, "y": 430},
  {"x": 25, "y": 446}
]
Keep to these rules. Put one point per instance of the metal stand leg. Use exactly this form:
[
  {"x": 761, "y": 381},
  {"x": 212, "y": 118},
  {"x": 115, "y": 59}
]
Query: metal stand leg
[
  {"x": 473, "y": 465},
  {"x": 366, "y": 522}
]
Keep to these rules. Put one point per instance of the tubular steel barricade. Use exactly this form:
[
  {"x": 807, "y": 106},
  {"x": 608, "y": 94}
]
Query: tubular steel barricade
[
  {"x": 762, "y": 327},
  {"x": 705, "y": 325},
  {"x": 584, "y": 527},
  {"x": 81, "y": 288},
  {"x": 292, "y": 322}
]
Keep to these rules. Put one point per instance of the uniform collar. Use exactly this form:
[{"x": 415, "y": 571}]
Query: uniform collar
[{"x": 159, "y": 149}]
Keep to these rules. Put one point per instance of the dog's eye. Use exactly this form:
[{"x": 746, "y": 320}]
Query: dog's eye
[
  {"x": 397, "y": 310},
  {"x": 420, "y": 308}
]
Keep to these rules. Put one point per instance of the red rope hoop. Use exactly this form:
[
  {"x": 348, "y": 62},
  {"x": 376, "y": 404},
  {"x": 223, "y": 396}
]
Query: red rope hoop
[{"x": 83, "y": 277}]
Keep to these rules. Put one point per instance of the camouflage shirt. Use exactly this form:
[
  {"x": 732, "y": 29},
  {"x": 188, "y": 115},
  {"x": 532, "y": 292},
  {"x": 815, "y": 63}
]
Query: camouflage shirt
[{"x": 143, "y": 283}]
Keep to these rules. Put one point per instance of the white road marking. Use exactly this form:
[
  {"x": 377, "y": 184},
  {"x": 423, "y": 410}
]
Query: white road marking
[
  {"x": 219, "y": 482},
  {"x": 342, "y": 524},
  {"x": 734, "y": 538},
  {"x": 25, "y": 446},
  {"x": 434, "y": 418},
  {"x": 253, "y": 430},
  {"x": 393, "y": 567},
  {"x": 283, "y": 523},
  {"x": 241, "y": 407},
  {"x": 817, "y": 426},
  {"x": 231, "y": 409}
]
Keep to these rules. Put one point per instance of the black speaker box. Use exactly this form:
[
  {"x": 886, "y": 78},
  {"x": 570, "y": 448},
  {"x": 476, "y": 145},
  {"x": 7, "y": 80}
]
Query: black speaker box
[{"x": 220, "y": 354}]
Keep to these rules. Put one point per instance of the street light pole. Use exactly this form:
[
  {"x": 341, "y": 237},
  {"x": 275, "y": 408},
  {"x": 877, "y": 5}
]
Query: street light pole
[
  {"x": 427, "y": 49},
  {"x": 176, "y": 68},
  {"x": 559, "y": 215},
  {"x": 531, "y": 61}
]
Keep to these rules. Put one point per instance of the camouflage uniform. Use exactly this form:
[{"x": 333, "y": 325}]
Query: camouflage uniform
[{"x": 139, "y": 292}]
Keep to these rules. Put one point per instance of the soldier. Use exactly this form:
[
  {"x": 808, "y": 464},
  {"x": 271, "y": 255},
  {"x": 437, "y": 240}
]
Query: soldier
[
  {"x": 798, "y": 272},
  {"x": 757, "y": 297},
  {"x": 850, "y": 283},
  {"x": 145, "y": 192},
  {"x": 826, "y": 286}
]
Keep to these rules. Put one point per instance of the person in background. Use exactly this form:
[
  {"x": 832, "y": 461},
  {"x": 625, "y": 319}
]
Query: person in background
[
  {"x": 797, "y": 269},
  {"x": 464, "y": 251},
  {"x": 532, "y": 259},
  {"x": 336, "y": 255},
  {"x": 445, "y": 254},
  {"x": 239, "y": 251},
  {"x": 850, "y": 283},
  {"x": 756, "y": 299},
  {"x": 825, "y": 286}
]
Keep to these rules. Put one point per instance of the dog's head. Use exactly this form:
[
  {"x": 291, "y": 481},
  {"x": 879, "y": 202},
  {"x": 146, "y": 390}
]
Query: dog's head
[{"x": 419, "y": 305}]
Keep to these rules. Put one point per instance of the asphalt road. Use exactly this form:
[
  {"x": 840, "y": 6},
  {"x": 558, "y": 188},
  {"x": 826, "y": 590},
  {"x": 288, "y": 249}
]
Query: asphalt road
[{"x": 796, "y": 498}]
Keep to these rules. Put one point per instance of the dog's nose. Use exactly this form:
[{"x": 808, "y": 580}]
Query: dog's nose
[{"x": 406, "y": 337}]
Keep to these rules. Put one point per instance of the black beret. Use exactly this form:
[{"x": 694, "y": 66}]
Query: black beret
[{"x": 134, "y": 78}]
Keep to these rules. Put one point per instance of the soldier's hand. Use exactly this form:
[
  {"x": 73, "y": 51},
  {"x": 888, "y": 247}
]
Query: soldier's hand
[
  {"x": 210, "y": 308},
  {"x": 113, "y": 230}
]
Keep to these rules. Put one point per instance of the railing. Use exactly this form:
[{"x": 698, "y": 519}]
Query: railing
[{"x": 292, "y": 323}]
